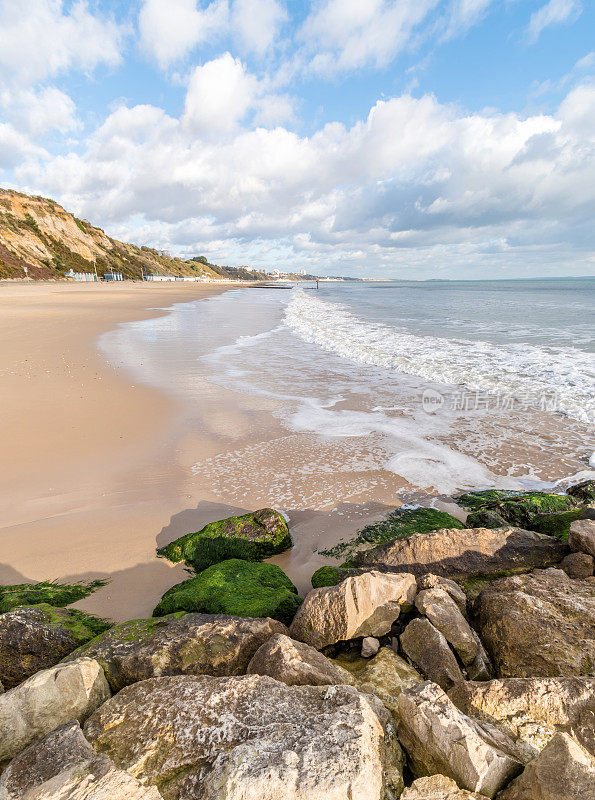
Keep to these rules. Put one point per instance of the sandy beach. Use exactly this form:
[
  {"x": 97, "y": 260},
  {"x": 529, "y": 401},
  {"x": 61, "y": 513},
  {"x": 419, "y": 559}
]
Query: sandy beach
[
  {"x": 95, "y": 469},
  {"x": 88, "y": 468}
]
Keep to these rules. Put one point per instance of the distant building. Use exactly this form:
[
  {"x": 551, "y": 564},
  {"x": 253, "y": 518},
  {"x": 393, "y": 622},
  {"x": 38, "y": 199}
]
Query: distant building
[{"x": 82, "y": 277}]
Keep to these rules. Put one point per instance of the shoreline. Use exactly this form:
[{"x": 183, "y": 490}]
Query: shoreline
[{"x": 88, "y": 459}]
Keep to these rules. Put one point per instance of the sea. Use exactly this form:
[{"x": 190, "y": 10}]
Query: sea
[{"x": 387, "y": 388}]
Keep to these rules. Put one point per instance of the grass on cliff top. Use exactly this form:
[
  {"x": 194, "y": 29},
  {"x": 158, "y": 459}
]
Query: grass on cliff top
[
  {"x": 50, "y": 592},
  {"x": 399, "y": 524}
]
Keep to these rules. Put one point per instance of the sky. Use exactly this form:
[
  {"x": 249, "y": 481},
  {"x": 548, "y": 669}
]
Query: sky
[{"x": 409, "y": 139}]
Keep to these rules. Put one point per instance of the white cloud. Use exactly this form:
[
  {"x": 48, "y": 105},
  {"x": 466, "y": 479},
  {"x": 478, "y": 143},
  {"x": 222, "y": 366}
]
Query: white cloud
[
  {"x": 15, "y": 148},
  {"x": 553, "y": 13},
  {"x": 256, "y": 23},
  {"x": 40, "y": 38},
  {"x": 349, "y": 34},
  {"x": 169, "y": 29},
  {"x": 415, "y": 180},
  {"x": 39, "y": 111},
  {"x": 462, "y": 15},
  {"x": 219, "y": 95}
]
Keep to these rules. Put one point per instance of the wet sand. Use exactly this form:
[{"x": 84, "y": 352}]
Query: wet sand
[
  {"x": 88, "y": 469},
  {"x": 96, "y": 471}
]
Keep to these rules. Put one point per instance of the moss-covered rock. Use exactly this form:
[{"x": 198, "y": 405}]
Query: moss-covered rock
[
  {"x": 485, "y": 519},
  {"x": 50, "y": 592},
  {"x": 534, "y": 511},
  {"x": 177, "y": 644},
  {"x": 36, "y": 637},
  {"x": 584, "y": 492},
  {"x": 252, "y": 537},
  {"x": 236, "y": 587},
  {"x": 329, "y": 576},
  {"x": 398, "y": 524}
]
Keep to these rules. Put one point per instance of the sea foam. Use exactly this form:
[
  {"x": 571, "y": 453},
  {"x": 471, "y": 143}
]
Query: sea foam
[{"x": 550, "y": 378}]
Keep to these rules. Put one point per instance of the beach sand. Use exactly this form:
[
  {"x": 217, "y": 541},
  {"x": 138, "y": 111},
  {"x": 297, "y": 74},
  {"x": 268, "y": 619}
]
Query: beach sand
[{"x": 95, "y": 470}]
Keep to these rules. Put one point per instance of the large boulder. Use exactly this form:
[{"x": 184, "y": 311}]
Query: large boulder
[
  {"x": 237, "y": 587},
  {"x": 385, "y": 675},
  {"x": 562, "y": 771},
  {"x": 64, "y": 766},
  {"x": 538, "y": 625},
  {"x": 582, "y": 537},
  {"x": 253, "y": 536},
  {"x": 50, "y": 592},
  {"x": 578, "y": 565},
  {"x": 439, "y": 739},
  {"x": 457, "y": 554},
  {"x": 365, "y": 605},
  {"x": 250, "y": 737},
  {"x": 429, "y": 651},
  {"x": 445, "y": 615},
  {"x": 437, "y": 787},
  {"x": 544, "y": 512},
  {"x": 430, "y": 581},
  {"x": 532, "y": 710},
  {"x": 178, "y": 644},
  {"x": 46, "y": 700},
  {"x": 398, "y": 524},
  {"x": 296, "y": 664},
  {"x": 37, "y": 637}
]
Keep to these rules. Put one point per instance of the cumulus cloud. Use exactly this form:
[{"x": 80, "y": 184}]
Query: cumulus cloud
[
  {"x": 169, "y": 29},
  {"x": 347, "y": 34},
  {"x": 466, "y": 186},
  {"x": 257, "y": 23},
  {"x": 41, "y": 38},
  {"x": 38, "y": 111},
  {"x": 555, "y": 12}
]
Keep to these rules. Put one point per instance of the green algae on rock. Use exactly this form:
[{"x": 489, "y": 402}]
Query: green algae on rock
[
  {"x": 50, "y": 592},
  {"x": 534, "y": 511},
  {"x": 329, "y": 576},
  {"x": 39, "y": 636},
  {"x": 584, "y": 492},
  {"x": 177, "y": 644},
  {"x": 252, "y": 537},
  {"x": 399, "y": 524},
  {"x": 236, "y": 587}
]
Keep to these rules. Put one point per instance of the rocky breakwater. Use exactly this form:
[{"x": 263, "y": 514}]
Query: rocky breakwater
[{"x": 424, "y": 683}]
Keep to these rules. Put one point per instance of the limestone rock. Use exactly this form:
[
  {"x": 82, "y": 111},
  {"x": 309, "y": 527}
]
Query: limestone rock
[
  {"x": 37, "y": 637},
  {"x": 249, "y": 737},
  {"x": 64, "y": 766},
  {"x": 578, "y": 565},
  {"x": 429, "y": 651},
  {"x": 385, "y": 675},
  {"x": 46, "y": 700},
  {"x": 445, "y": 615},
  {"x": 439, "y": 739},
  {"x": 295, "y": 663},
  {"x": 538, "y": 625},
  {"x": 179, "y": 644},
  {"x": 430, "y": 581},
  {"x": 365, "y": 605},
  {"x": 253, "y": 536},
  {"x": 532, "y": 710},
  {"x": 582, "y": 537},
  {"x": 456, "y": 553},
  {"x": 562, "y": 771},
  {"x": 370, "y": 647},
  {"x": 437, "y": 787}
]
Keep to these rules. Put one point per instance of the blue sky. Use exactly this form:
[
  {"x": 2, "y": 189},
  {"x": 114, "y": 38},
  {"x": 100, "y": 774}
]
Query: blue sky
[{"x": 413, "y": 138}]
